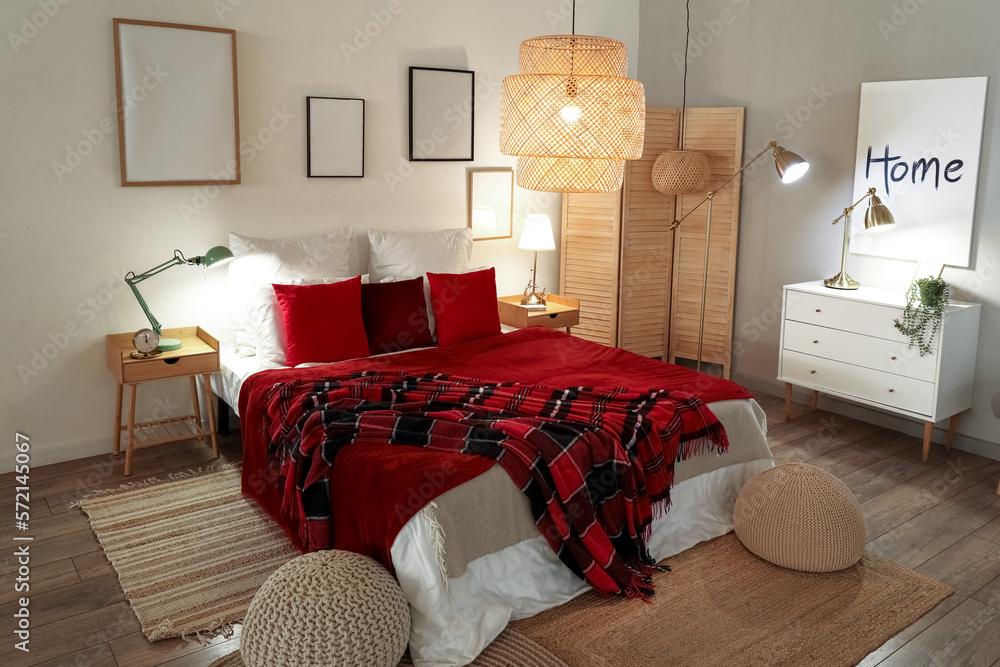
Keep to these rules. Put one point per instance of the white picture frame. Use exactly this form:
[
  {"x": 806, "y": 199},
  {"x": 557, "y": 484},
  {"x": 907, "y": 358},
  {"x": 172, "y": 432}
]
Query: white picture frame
[
  {"x": 178, "y": 104},
  {"x": 442, "y": 114},
  {"x": 925, "y": 139},
  {"x": 335, "y": 137}
]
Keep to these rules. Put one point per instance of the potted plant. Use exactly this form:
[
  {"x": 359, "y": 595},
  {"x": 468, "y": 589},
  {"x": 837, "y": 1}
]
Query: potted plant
[{"x": 926, "y": 301}]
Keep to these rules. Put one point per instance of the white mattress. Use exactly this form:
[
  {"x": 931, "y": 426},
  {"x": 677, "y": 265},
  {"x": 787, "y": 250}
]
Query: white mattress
[
  {"x": 453, "y": 621},
  {"x": 233, "y": 371}
]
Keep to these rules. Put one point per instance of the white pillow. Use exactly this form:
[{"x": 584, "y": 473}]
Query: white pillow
[
  {"x": 431, "y": 322},
  {"x": 264, "y": 261},
  {"x": 415, "y": 253},
  {"x": 264, "y": 316}
]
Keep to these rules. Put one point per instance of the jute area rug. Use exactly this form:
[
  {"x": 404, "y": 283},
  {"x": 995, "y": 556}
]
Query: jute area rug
[{"x": 190, "y": 554}]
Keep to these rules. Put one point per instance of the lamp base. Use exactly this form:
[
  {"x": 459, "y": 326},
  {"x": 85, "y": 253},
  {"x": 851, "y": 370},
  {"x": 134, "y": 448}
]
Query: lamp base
[
  {"x": 168, "y": 344},
  {"x": 842, "y": 281},
  {"x": 534, "y": 302}
]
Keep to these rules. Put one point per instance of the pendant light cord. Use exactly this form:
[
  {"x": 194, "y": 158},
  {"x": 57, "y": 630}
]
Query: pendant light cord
[
  {"x": 574, "y": 17},
  {"x": 687, "y": 41}
]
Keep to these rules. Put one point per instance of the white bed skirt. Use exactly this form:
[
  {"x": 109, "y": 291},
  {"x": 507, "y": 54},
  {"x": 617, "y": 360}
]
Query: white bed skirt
[{"x": 451, "y": 625}]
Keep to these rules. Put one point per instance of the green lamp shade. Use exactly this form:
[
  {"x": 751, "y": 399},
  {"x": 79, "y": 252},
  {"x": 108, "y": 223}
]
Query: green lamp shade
[{"x": 217, "y": 255}]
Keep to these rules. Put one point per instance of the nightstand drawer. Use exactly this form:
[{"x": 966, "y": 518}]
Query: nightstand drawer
[
  {"x": 868, "y": 351},
  {"x": 899, "y": 392},
  {"x": 567, "y": 318},
  {"x": 140, "y": 370},
  {"x": 839, "y": 313},
  {"x": 560, "y": 313}
]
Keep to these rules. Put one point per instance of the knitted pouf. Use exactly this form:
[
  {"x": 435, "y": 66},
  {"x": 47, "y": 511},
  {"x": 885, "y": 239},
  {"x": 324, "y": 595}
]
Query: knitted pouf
[
  {"x": 800, "y": 517},
  {"x": 327, "y": 608}
]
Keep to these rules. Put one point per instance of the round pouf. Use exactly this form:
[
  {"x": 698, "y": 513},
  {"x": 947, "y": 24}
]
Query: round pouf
[
  {"x": 800, "y": 517},
  {"x": 327, "y": 608}
]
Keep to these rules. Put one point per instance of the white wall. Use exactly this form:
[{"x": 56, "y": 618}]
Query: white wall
[
  {"x": 68, "y": 237},
  {"x": 798, "y": 68}
]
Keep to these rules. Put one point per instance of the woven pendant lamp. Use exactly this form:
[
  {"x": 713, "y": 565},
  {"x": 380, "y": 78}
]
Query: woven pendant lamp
[
  {"x": 569, "y": 174},
  {"x": 682, "y": 171},
  {"x": 571, "y": 115}
]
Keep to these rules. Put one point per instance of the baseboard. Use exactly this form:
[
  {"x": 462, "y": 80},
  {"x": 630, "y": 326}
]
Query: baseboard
[
  {"x": 43, "y": 456},
  {"x": 870, "y": 415}
]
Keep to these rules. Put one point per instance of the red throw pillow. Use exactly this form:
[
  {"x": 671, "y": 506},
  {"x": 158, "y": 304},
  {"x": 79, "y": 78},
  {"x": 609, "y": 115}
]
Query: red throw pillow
[
  {"x": 322, "y": 322},
  {"x": 395, "y": 316},
  {"x": 465, "y": 305}
]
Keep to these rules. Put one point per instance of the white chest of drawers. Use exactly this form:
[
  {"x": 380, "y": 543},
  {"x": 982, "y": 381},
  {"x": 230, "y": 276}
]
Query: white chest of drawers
[{"x": 843, "y": 343}]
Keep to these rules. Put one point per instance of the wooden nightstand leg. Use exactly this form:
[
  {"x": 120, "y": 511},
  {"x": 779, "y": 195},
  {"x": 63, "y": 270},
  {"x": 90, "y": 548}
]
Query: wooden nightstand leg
[
  {"x": 197, "y": 404},
  {"x": 815, "y": 400},
  {"x": 569, "y": 329},
  {"x": 211, "y": 414},
  {"x": 788, "y": 401},
  {"x": 130, "y": 439},
  {"x": 952, "y": 429},
  {"x": 117, "y": 434},
  {"x": 928, "y": 430}
]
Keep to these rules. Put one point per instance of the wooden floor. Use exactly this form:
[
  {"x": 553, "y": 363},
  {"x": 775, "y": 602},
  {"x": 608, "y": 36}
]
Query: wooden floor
[{"x": 941, "y": 519}]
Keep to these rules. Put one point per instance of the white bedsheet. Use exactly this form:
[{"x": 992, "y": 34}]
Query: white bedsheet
[{"x": 451, "y": 624}]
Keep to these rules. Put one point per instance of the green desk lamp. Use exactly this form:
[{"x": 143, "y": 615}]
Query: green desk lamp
[{"x": 148, "y": 342}]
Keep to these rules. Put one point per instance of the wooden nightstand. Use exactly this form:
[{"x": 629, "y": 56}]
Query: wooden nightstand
[
  {"x": 560, "y": 312},
  {"x": 198, "y": 355}
]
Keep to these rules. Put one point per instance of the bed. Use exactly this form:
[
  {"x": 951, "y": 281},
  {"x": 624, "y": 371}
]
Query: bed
[
  {"x": 464, "y": 544},
  {"x": 464, "y": 587}
]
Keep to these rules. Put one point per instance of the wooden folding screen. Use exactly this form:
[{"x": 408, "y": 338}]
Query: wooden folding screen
[{"x": 639, "y": 283}]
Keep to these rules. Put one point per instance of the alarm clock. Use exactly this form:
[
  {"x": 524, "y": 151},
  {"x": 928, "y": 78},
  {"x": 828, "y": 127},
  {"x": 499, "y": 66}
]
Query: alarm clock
[{"x": 145, "y": 342}]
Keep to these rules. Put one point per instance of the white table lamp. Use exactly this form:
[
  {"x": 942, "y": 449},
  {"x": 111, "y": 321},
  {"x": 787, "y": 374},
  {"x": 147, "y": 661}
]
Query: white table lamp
[{"x": 536, "y": 235}]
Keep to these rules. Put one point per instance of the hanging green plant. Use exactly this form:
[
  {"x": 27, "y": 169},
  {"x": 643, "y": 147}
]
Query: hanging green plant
[{"x": 926, "y": 301}]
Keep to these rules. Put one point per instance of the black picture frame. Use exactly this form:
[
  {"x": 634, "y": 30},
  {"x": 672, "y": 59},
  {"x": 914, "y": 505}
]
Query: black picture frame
[
  {"x": 442, "y": 119},
  {"x": 335, "y": 137}
]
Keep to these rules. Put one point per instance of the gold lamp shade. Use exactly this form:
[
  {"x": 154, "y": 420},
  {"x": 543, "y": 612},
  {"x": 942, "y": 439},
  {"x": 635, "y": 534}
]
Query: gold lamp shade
[
  {"x": 571, "y": 105},
  {"x": 878, "y": 217},
  {"x": 681, "y": 172},
  {"x": 790, "y": 166}
]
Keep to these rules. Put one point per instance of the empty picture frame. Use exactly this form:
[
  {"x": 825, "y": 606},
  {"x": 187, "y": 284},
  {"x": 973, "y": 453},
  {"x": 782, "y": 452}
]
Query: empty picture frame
[
  {"x": 491, "y": 203},
  {"x": 178, "y": 105},
  {"x": 442, "y": 114},
  {"x": 335, "y": 137}
]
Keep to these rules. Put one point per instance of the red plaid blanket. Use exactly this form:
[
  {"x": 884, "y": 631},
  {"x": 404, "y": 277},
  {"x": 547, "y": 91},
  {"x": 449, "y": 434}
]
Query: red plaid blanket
[{"x": 595, "y": 464}]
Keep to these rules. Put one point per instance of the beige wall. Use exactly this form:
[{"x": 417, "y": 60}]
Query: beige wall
[
  {"x": 67, "y": 238},
  {"x": 798, "y": 68}
]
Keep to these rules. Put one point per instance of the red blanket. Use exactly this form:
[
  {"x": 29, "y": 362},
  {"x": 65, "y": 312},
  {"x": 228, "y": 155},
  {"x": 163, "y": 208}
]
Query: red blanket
[
  {"x": 369, "y": 515},
  {"x": 593, "y": 464}
]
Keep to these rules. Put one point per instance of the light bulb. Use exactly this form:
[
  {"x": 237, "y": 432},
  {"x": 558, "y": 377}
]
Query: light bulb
[{"x": 570, "y": 113}]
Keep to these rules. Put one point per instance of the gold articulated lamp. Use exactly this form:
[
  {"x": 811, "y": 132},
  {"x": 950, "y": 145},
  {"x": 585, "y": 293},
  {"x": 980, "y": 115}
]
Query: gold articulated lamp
[
  {"x": 790, "y": 168},
  {"x": 877, "y": 217}
]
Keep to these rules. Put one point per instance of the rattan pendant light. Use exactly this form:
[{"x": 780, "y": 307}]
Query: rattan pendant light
[
  {"x": 571, "y": 115},
  {"x": 682, "y": 171}
]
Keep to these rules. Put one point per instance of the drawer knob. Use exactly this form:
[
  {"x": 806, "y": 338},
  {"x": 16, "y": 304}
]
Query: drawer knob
[
  {"x": 812, "y": 372},
  {"x": 818, "y": 310},
  {"x": 892, "y": 391},
  {"x": 894, "y": 358},
  {"x": 815, "y": 341}
]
